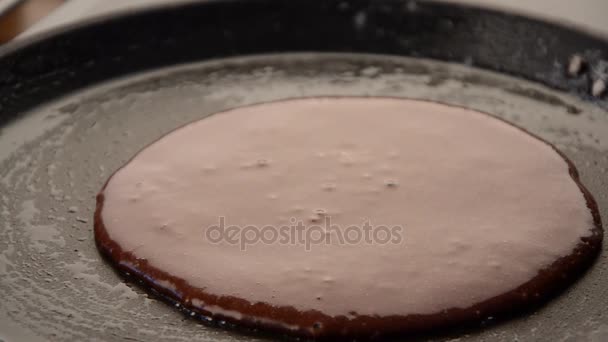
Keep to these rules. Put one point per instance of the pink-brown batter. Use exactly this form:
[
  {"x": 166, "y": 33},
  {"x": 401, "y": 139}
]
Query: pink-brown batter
[{"x": 484, "y": 206}]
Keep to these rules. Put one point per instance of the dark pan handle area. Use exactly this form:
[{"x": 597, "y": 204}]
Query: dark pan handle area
[{"x": 51, "y": 65}]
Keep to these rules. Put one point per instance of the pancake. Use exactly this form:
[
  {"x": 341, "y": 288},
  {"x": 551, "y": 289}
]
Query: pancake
[{"x": 349, "y": 218}]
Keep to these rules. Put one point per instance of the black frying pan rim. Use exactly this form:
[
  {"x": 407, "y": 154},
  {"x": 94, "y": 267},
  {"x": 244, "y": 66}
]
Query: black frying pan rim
[{"x": 437, "y": 13}]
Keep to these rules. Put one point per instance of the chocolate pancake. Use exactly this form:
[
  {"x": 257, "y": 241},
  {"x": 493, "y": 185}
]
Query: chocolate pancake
[{"x": 349, "y": 218}]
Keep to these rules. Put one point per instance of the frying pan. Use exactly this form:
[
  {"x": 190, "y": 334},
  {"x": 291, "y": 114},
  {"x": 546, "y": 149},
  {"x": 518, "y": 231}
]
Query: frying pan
[
  {"x": 77, "y": 103},
  {"x": 7, "y": 5}
]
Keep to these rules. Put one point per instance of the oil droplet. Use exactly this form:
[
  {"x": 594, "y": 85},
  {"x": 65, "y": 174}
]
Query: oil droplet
[
  {"x": 599, "y": 88},
  {"x": 262, "y": 163},
  {"x": 328, "y": 187},
  {"x": 391, "y": 183},
  {"x": 370, "y": 71},
  {"x": 359, "y": 20},
  {"x": 320, "y": 212},
  {"x": 411, "y": 6},
  {"x": 575, "y": 66}
]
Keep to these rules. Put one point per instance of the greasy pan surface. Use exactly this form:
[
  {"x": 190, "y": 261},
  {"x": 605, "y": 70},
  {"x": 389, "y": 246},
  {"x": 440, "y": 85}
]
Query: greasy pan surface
[{"x": 58, "y": 144}]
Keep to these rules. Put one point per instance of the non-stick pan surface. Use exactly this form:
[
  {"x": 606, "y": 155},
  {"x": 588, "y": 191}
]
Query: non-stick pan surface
[{"x": 76, "y": 104}]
